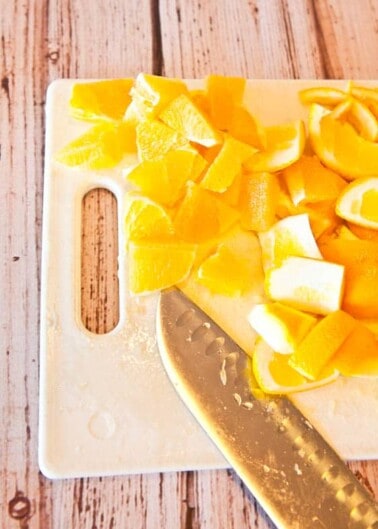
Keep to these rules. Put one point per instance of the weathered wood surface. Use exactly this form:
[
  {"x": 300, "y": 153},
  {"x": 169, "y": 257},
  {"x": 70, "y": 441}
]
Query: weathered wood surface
[{"x": 41, "y": 41}]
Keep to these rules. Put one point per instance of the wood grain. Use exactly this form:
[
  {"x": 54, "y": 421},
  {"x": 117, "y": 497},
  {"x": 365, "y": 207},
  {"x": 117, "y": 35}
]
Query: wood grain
[{"x": 43, "y": 40}]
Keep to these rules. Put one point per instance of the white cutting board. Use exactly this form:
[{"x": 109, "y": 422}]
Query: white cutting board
[{"x": 106, "y": 405}]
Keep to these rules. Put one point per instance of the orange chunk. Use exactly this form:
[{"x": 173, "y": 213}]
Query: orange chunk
[
  {"x": 368, "y": 96},
  {"x": 285, "y": 145},
  {"x": 183, "y": 116},
  {"x": 363, "y": 233},
  {"x": 202, "y": 215},
  {"x": 152, "y": 93},
  {"x": 154, "y": 139},
  {"x": 308, "y": 181},
  {"x": 100, "y": 99},
  {"x": 358, "y": 355},
  {"x": 145, "y": 219},
  {"x": 200, "y": 99},
  {"x": 322, "y": 342},
  {"x": 281, "y": 327},
  {"x": 158, "y": 265},
  {"x": 224, "y": 93},
  {"x": 358, "y": 203},
  {"x": 102, "y": 147},
  {"x": 323, "y": 218},
  {"x": 350, "y": 252},
  {"x": 259, "y": 198},
  {"x": 227, "y": 165},
  {"x": 363, "y": 120},
  {"x": 244, "y": 127},
  {"x": 322, "y": 95}
]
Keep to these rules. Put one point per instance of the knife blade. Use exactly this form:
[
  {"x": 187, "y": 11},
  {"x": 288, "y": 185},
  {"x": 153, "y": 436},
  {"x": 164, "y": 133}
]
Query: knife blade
[{"x": 298, "y": 479}]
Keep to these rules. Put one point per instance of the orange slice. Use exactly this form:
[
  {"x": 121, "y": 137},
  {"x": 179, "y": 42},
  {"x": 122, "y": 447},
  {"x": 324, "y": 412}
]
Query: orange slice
[
  {"x": 152, "y": 93},
  {"x": 285, "y": 144},
  {"x": 314, "y": 353},
  {"x": 274, "y": 374},
  {"x": 322, "y": 95},
  {"x": 158, "y": 265},
  {"x": 100, "y": 99},
  {"x": 340, "y": 147},
  {"x": 224, "y": 93},
  {"x": 154, "y": 139},
  {"x": 258, "y": 200},
  {"x": 227, "y": 165},
  {"x": 358, "y": 203},
  {"x": 145, "y": 219},
  {"x": 102, "y": 147},
  {"x": 281, "y": 327},
  {"x": 183, "y": 116}
]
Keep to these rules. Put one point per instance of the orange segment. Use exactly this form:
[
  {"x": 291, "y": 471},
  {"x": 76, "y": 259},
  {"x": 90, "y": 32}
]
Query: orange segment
[
  {"x": 102, "y": 147},
  {"x": 202, "y": 215},
  {"x": 359, "y": 203},
  {"x": 308, "y": 181},
  {"x": 152, "y": 93},
  {"x": 319, "y": 346},
  {"x": 182, "y": 115},
  {"x": 224, "y": 93},
  {"x": 154, "y": 139},
  {"x": 227, "y": 165},
  {"x": 281, "y": 327},
  {"x": 244, "y": 127},
  {"x": 158, "y": 265},
  {"x": 322, "y": 95},
  {"x": 259, "y": 198},
  {"x": 144, "y": 219},
  {"x": 363, "y": 120},
  {"x": 285, "y": 144},
  {"x": 368, "y": 96},
  {"x": 100, "y": 99},
  {"x": 358, "y": 355}
]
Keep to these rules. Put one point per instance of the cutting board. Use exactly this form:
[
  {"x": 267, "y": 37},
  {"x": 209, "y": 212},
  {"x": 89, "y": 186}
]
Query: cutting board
[{"x": 106, "y": 404}]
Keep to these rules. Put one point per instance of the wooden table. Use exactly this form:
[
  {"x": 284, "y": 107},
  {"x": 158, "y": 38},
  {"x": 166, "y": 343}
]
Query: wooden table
[{"x": 42, "y": 41}]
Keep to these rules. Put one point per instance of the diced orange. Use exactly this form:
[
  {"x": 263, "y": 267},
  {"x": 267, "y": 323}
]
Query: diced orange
[
  {"x": 368, "y": 96},
  {"x": 322, "y": 342},
  {"x": 152, "y": 93},
  {"x": 350, "y": 252},
  {"x": 202, "y": 215},
  {"x": 224, "y": 93},
  {"x": 183, "y": 116},
  {"x": 200, "y": 99},
  {"x": 232, "y": 195},
  {"x": 363, "y": 233},
  {"x": 158, "y": 265},
  {"x": 227, "y": 165},
  {"x": 155, "y": 139},
  {"x": 100, "y": 99},
  {"x": 323, "y": 218},
  {"x": 308, "y": 181},
  {"x": 322, "y": 95},
  {"x": 102, "y": 147},
  {"x": 358, "y": 203},
  {"x": 363, "y": 120},
  {"x": 358, "y": 355},
  {"x": 285, "y": 145},
  {"x": 145, "y": 219},
  {"x": 244, "y": 127},
  {"x": 259, "y": 197}
]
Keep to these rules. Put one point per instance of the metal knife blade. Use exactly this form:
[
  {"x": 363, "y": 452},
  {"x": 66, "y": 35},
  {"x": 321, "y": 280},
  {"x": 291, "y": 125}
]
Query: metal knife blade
[{"x": 295, "y": 475}]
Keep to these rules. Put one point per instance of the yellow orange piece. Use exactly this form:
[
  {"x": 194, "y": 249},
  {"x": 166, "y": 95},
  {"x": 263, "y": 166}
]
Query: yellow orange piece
[
  {"x": 323, "y": 218},
  {"x": 307, "y": 284},
  {"x": 274, "y": 374},
  {"x": 154, "y": 139},
  {"x": 358, "y": 203},
  {"x": 358, "y": 355},
  {"x": 363, "y": 233},
  {"x": 226, "y": 272},
  {"x": 368, "y": 96},
  {"x": 285, "y": 144},
  {"x": 363, "y": 120},
  {"x": 290, "y": 236},
  {"x": 281, "y": 327},
  {"x": 200, "y": 99},
  {"x": 258, "y": 200},
  {"x": 245, "y": 127},
  {"x": 308, "y": 181},
  {"x": 152, "y": 93},
  {"x": 145, "y": 219},
  {"x": 100, "y": 99},
  {"x": 340, "y": 147},
  {"x": 224, "y": 93},
  {"x": 183, "y": 116},
  {"x": 101, "y": 147},
  {"x": 227, "y": 165},
  {"x": 316, "y": 350},
  {"x": 164, "y": 179},
  {"x": 158, "y": 265},
  {"x": 322, "y": 95},
  {"x": 202, "y": 215}
]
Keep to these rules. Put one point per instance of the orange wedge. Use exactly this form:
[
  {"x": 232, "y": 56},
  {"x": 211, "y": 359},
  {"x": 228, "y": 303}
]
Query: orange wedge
[
  {"x": 226, "y": 165},
  {"x": 100, "y": 99},
  {"x": 183, "y": 116},
  {"x": 368, "y": 96},
  {"x": 158, "y": 265},
  {"x": 152, "y": 93},
  {"x": 285, "y": 144},
  {"x": 322, "y": 95},
  {"x": 363, "y": 120},
  {"x": 102, "y": 147},
  {"x": 155, "y": 139},
  {"x": 274, "y": 374},
  {"x": 245, "y": 127},
  {"x": 314, "y": 353},
  {"x": 145, "y": 219},
  {"x": 224, "y": 93},
  {"x": 358, "y": 203},
  {"x": 258, "y": 200}
]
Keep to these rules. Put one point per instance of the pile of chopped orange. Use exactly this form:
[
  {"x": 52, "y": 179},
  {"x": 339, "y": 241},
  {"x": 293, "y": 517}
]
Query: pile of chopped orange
[{"x": 207, "y": 168}]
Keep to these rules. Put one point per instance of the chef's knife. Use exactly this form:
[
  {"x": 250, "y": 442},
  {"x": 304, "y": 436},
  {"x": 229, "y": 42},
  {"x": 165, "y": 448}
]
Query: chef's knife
[{"x": 295, "y": 475}]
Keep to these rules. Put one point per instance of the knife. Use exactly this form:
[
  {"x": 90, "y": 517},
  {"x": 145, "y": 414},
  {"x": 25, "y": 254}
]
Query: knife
[{"x": 298, "y": 479}]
